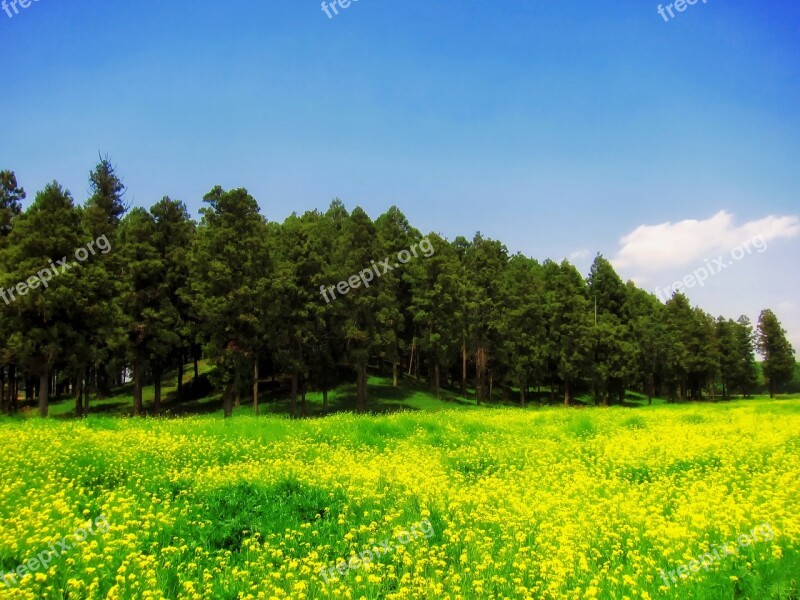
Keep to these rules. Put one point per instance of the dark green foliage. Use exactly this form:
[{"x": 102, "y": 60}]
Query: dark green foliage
[
  {"x": 261, "y": 300},
  {"x": 436, "y": 307},
  {"x": 523, "y": 325},
  {"x": 40, "y": 326},
  {"x": 570, "y": 324},
  {"x": 230, "y": 287},
  {"x": 779, "y": 362},
  {"x": 11, "y": 197}
]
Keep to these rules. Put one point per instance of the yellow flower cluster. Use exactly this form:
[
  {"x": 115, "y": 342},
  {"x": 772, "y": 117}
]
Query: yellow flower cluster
[{"x": 524, "y": 504}]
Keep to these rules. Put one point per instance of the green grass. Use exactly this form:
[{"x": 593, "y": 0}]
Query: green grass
[{"x": 410, "y": 395}]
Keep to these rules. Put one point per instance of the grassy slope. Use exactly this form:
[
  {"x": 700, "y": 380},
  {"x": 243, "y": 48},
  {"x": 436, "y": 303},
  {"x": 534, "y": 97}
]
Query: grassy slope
[{"x": 410, "y": 395}]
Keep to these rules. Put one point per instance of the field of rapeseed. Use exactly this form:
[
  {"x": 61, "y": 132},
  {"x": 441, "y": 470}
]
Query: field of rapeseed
[{"x": 544, "y": 503}]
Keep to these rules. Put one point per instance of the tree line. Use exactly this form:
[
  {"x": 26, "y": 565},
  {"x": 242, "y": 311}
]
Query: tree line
[{"x": 243, "y": 293}]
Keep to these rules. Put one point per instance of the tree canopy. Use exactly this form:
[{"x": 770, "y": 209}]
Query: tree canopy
[{"x": 325, "y": 298}]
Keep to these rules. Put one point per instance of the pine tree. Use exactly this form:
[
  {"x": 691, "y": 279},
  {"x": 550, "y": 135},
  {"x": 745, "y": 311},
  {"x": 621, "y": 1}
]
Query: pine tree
[
  {"x": 485, "y": 262},
  {"x": 649, "y": 335},
  {"x": 101, "y": 217},
  {"x": 729, "y": 360},
  {"x": 358, "y": 249},
  {"x": 140, "y": 295},
  {"x": 394, "y": 318},
  {"x": 41, "y": 332},
  {"x": 779, "y": 362},
  {"x": 172, "y": 237},
  {"x": 467, "y": 295},
  {"x": 746, "y": 373},
  {"x": 298, "y": 327},
  {"x": 523, "y": 323},
  {"x": 570, "y": 325},
  {"x": 229, "y": 273},
  {"x": 435, "y": 307},
  {"x": 614, "y": 353},
  {"x": 11, "y": 197}
]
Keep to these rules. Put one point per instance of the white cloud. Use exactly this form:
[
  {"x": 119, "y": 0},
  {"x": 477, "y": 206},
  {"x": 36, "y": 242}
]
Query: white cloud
[
  {"x": 578, "y": 255},
  {"x": 657, "y": 247}
]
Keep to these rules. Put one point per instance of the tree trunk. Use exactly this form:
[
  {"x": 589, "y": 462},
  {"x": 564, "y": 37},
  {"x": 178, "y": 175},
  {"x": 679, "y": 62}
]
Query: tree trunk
[
  {"x": 464, "y": 368},
  {"x": 157, "y": 392},
  {"x": 364, "y": 383},
  {"x": 491, "y": 387},
  {"x": 480, "y": 372},
  {"x": 436, "y": 379},
  {"x": 325, "y": 400},
  {"x": 227, "y": 406},
  {"x": 303, "y": 392},
  {"x": 358, "y": 384},
  {"x": 44, "y": 390},
  {"x": 361, "y": 388},
  {"x": 79, "y": 395},
  {"x": 3, "y": 405},
  {"x": 478, "y": 385},
  {"x": 137, "y": 385},
  {"x": 395, "y": 381},
  {"x": 86, "y": 391},
  {"x": 103, "y": 387},
  {"x": 255, "y": 385},
  {"x": 13, "y": 388},
  {"x": 411, "y": 358},
  {"x": 522, "y": 386},
  {"x": 293, "y": 396},
  {"x": 180, "y": 375},
  {"x": 363, "y": 391},
  {"x": 567, "y": 397}
]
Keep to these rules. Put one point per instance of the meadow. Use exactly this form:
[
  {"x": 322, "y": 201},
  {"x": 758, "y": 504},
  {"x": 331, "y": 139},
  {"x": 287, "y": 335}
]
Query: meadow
[{"x": 541, "y": 503}]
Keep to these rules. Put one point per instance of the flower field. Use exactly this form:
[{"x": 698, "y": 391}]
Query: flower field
[{"x": 546, "y": 503}]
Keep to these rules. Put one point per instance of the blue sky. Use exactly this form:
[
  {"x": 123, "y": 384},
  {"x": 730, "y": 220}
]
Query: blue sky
[{"x": 559, "y": 128}]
